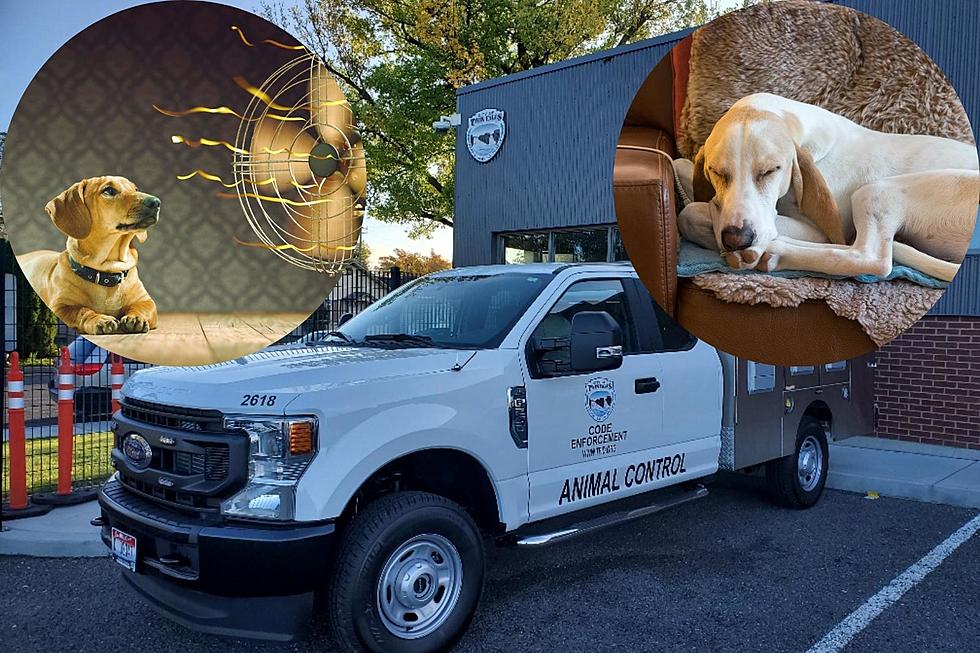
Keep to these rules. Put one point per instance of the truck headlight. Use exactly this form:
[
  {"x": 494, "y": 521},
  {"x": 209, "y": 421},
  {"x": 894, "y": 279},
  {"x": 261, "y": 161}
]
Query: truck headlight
[{"x": 280, "y": 449}]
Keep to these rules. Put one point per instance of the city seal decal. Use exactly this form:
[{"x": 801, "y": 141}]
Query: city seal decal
[
  {"x": 485, "y": 133},
  {"x": 600, "y": 398}
]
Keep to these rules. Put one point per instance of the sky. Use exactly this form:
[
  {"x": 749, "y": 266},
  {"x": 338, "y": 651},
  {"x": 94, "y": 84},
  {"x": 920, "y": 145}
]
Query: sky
[{"x": 33, "y": 30}]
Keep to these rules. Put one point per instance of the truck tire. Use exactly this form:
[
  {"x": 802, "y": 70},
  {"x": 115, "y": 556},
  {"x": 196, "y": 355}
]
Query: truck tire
[
  {"x": 797, "y": 480},
  {"x": 409, "y": 574}
]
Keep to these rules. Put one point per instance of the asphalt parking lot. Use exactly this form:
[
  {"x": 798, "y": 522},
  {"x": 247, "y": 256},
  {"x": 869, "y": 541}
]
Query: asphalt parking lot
[{"x": 729, "y": 573}]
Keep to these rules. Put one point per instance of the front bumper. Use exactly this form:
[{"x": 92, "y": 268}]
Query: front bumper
[{"x": 218, "y": 576}]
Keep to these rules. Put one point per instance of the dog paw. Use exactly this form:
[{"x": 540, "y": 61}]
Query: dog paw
[
  {"x": 739, "y": 261},
  {"x": 134, "y": 324},
  {"x": 732, "y": 260},
  {"x": 769, "y": 262},
  {"x": 102, "y": 325}
]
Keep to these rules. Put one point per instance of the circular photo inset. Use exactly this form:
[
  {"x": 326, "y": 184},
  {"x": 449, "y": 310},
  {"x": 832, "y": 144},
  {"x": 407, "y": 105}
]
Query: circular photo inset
[
  {"x": 182, "y": 183},
  {"x": 796, "y": 183}
]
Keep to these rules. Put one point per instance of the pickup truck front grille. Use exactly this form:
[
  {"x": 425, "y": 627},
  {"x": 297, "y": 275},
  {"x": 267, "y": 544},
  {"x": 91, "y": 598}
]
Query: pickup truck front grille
[
  {"x": 171, "y": 417},
  {"x": 195, "y": 464},
  {"x": 213, "y": 462},
  {"x": 173, "y": 497}
]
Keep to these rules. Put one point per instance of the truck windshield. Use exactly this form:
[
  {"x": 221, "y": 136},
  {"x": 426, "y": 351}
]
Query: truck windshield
[{"x": 458, "y": 311}]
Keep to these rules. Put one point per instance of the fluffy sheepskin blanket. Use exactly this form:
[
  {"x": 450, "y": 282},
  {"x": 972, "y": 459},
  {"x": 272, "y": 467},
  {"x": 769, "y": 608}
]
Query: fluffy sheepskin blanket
[
  {"x": 846, "y": 62},
  {"x": 884, "y": 309}
]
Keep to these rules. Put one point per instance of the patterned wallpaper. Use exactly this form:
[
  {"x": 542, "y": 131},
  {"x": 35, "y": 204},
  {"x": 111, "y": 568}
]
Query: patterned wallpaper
[{"x": 89, "y": 112}]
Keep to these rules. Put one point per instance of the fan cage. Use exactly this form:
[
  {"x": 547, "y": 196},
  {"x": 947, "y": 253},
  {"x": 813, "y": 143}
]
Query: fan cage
[{"x": 267, "y": 218}]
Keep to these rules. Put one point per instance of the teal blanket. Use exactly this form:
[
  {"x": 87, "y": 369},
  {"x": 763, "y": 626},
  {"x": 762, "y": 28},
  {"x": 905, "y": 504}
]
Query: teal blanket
[{"x": 694, "y": 260}]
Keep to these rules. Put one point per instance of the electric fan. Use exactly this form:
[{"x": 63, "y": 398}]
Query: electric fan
[{"x": 299, "y": 167}]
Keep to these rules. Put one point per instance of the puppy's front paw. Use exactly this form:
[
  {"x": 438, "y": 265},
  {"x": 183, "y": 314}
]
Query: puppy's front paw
[
  {"x": 133, "y": 323},
  {"x": 101, "y": 325}
]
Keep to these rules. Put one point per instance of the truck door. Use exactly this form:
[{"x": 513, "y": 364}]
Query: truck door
[{"x": 589, "y": 424}]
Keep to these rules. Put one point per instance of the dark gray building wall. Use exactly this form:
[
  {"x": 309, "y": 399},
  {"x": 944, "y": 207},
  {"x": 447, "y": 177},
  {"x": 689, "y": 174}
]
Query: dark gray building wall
[{"x": 555, "y": 166}]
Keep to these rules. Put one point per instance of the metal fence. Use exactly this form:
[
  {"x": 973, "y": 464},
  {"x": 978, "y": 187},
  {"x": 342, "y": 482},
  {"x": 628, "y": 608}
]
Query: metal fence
[{"x": 28, "y": 326}]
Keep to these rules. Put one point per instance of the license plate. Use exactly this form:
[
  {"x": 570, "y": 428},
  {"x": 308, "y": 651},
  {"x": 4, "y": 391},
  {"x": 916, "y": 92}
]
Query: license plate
[{"x": 124, "y": 549}]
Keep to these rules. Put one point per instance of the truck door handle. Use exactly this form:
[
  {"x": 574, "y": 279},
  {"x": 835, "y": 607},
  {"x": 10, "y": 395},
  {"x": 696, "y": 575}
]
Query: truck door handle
[{"x": 645, "y": 386}]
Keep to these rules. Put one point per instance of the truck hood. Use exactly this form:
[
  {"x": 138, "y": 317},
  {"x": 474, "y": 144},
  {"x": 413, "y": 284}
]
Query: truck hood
[{"x": 285, "y": 373}]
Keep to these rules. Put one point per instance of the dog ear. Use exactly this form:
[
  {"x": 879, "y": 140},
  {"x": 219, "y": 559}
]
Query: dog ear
[
  {"x": 814, "y": 197},
  {"x": 703, "y": 190},
  {"x": 70, "y": 213}
]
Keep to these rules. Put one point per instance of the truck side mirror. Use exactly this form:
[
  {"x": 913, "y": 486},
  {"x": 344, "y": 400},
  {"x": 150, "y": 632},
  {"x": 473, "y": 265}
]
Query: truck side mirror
[{"x": 596, "y": 342}]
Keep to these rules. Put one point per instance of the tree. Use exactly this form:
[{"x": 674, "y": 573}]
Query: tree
[
  {"x": 401, "y": 61},
  {"x": 363, "y": 253},
  {"x": 414, "y": 263}
]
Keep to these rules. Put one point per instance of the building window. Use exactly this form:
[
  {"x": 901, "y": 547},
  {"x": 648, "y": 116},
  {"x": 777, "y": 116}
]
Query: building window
[
  {"x": 836, "y": 366},
  {"x": 525, "y": 248},
  {"x": 598, "y": 244},
  {"x": 586, "y": 246},
  {"x": 618, "y": 248}
]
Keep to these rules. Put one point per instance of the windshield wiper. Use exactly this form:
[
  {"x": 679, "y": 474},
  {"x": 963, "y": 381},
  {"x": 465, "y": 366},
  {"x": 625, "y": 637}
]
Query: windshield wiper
[
  {"x": 326, "y": 339},
  {"x": 400, "y": 338}
]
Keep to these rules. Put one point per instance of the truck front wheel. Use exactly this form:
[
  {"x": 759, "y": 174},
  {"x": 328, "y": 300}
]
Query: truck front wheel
[
  {"x": 797, "y": 480},
  {"x": 409, "y": 574}
]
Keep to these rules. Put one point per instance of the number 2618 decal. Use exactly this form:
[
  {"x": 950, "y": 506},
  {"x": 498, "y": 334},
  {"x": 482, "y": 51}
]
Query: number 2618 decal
[{"x": 258, "y": 400}]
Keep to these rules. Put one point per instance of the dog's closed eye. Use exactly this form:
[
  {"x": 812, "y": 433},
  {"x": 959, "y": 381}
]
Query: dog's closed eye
[
  {"x": 766, "y": 173},
  {"x": 721, "y": 174}
]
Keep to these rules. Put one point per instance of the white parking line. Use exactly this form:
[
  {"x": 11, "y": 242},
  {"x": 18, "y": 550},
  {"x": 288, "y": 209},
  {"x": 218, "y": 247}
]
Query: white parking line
[{"x": 858, "y": 620}]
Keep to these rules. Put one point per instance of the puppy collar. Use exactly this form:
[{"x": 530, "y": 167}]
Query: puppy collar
[{"x": 99, "y": 277}]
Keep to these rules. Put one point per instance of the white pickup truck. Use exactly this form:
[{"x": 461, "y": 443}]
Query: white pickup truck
[{"x": 516, "y": 404}]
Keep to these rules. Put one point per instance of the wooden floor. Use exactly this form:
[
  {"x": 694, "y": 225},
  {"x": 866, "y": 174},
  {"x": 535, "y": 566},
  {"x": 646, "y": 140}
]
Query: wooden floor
[{"x": 201, "y": 338}]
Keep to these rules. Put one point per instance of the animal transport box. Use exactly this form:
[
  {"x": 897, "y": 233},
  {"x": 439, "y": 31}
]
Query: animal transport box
[{"x": 765, "y": 404}]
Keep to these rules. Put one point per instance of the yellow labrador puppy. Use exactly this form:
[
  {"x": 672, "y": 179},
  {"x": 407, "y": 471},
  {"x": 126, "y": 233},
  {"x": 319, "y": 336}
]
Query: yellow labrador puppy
[
  {"x": 93, "y": 285},
  {"x": 876, "y": 197}
]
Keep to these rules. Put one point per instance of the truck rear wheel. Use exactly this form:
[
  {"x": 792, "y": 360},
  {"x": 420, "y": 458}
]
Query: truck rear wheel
[
  {"x": 797, "y": 480},
  {"x": 409, "y": 575}
]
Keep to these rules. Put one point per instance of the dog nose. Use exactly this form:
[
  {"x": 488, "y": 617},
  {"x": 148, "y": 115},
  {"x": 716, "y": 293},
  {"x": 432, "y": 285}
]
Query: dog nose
[
  {"x": 736, "y": 238},
  {"x": 151, "y": 202}
]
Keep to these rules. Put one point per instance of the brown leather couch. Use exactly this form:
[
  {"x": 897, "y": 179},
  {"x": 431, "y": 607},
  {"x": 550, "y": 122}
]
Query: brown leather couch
[{"x": 646, "y": 209}]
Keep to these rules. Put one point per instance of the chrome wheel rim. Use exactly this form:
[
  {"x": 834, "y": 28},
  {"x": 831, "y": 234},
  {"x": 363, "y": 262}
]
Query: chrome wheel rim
[
  {"x": 419, "y": 586},
  {"x": 809, "y": 464}
]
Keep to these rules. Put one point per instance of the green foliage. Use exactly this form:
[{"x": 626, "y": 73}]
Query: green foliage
[
  {"x": 414, "y": 263},
  {"x": 402, "y": 61}
]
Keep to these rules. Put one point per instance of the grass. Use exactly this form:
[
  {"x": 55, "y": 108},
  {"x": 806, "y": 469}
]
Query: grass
[
  {"x": 33, "y": 361},
  {"x": 91, "y": 462}
]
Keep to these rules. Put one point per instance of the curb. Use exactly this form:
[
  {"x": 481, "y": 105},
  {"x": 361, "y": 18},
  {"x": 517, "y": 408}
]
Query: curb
[
  {"x": 64, "y": 532},
  {"x": 923, "y": 476}
]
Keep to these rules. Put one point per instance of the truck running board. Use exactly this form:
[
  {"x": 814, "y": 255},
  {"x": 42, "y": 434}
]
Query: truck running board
[{"x": 677, "y": 496}]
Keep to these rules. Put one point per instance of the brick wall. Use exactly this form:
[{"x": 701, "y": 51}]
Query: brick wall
[{"x": 927, "y": 385}]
